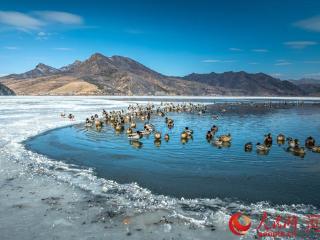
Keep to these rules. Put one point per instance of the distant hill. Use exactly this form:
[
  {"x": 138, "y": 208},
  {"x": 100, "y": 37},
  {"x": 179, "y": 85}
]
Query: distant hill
[
  {"x": 4, "y": 91},
  {"x": 309, "y": 85},
  {"x": 242, "y": 83},
  {"x": 117, "y": 75}
]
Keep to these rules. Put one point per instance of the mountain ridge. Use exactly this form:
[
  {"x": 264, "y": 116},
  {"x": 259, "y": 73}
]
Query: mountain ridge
[
  {"x": 118, "y": 75},
  {"x": 310, "y": 85}
]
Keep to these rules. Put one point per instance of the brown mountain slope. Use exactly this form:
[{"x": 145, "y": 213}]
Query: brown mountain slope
[{"x": 51, "y": 85}]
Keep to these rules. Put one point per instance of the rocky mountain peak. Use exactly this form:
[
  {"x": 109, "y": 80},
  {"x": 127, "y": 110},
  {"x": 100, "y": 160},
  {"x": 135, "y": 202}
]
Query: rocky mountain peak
[
  {"x": 97, "y": 57},
  {"x": 43, "y": 68}
]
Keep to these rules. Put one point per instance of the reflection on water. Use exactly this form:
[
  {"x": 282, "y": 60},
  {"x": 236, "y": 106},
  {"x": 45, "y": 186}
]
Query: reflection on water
[{"x": 194, "y": 167}]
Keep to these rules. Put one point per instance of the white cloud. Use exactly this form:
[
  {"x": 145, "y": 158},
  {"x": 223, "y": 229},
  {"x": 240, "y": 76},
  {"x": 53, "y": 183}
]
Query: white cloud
[
  {"x": 282, "y": 62},
  {"x": 217, "y": 61},
  {"x": 210, "y": 61},
  {"x": 4, "y": 74},
  {"x": 300, "y": 44},
  {"x": 236, "y": 49},
  {"x": 63, "y": 49},
  {"x": 11, "y": 48},
  {"x": 254, "y": 63},
  {"x": 60, "y": 17},
  {"x": 39, "y": 19},
  {"x": 311, "y": 24},
  {"x": 20, "y": 20},
  {"x": 260, "y": 50}
]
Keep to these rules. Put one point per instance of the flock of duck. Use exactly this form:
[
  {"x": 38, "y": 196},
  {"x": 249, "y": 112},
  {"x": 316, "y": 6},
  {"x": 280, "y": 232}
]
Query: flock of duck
[
  {"x": 264, "y": 148},
  {"x": 125, "y": 120},
  {"x": 119, "y": 119},
  {"x": 293, "y": 145}
]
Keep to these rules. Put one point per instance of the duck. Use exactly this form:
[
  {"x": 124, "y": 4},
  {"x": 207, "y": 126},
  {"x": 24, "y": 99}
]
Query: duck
[
  {"x": 310, "y": 142},
  {"x": 129, "y": 131},
  {"x": 268, "y": 139},
  {"x": 135, "y": 136},
  {"x": 166, "y": 137},
  {"x": 316, "y": 149},
  {"x": 98, "y": 123},
  {"x": 119, "y": 127},
  {"x": 157, "y": 136},
  {"x": 133, "y": 125},
  {"x": 248, "y": 147},
  {"x": 170, "y": 123},
  {"x": 262, "y": 147},
  {"x": 128, "y": 118},
  {"x": 88, "y": 123},
  {"x": 225, "y": 138},
  {"x": 209, "y": 135},
  {"x": 293, "y": 143},
  {"x": 215, "y": 117},
  {"x": 281, "y": 138},
  {"x": 71, "y": 117},
  {"x": 63, "y": 115}
]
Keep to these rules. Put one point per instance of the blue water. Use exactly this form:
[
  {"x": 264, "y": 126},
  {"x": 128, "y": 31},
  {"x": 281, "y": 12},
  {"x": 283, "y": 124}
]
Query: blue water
[{"x": 198, "y": 169}]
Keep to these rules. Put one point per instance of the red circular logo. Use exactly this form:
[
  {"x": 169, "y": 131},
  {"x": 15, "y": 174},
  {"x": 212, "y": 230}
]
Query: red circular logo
[{"x": 239, "y": 224}]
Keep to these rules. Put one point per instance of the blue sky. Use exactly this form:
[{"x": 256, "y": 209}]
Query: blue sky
[{"x": 281, "y": 38}]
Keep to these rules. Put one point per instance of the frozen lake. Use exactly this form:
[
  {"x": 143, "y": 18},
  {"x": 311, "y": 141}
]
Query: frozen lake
[{"x": 44, "y": 198}]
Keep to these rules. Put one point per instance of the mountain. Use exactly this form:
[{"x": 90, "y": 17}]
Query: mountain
[
  {"x": 40, "y": 70},
  {"x": 309, "y": 85},
  {"x": 258, "y": 84},
  {"x": 4, "y": 91},
  {"x": 117, "y": 75},
  {"x": 306, "y": 81}
]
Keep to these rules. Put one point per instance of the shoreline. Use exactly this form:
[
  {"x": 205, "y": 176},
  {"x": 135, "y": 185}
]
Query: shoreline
[{"x": 171, "y": 97}]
